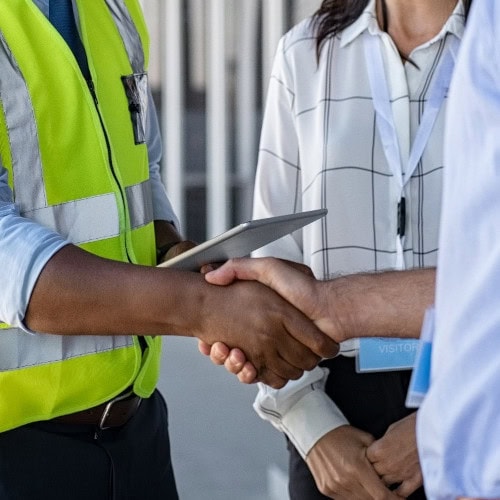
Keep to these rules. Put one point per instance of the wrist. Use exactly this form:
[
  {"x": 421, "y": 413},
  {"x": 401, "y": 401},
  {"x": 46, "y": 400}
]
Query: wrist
[
  {"x": 310, "y": 419},
  {"x": 342, "y": 299},
  {"x": 377, "y": 304}
]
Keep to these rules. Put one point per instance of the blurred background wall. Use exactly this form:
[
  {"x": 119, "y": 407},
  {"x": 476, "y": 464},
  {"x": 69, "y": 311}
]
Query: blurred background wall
[{"x": 210, "y": 65}]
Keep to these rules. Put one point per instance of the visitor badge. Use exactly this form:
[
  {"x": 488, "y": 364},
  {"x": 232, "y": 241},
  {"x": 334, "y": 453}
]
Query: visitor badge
[
  {"x": 378, "y": 354},
  {"x": 421, "y": 375}
]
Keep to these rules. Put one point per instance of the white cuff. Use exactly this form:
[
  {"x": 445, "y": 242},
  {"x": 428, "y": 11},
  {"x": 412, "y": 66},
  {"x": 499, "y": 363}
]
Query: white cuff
[{"x": 310, "y": 419}]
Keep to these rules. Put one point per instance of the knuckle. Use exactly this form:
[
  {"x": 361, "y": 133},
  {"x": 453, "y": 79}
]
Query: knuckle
[
  {"x": 248, "y": 374},
  {"x": 232, "y": 368},
  {"x": 296, "y": 374},
  {"x": 243, "y": 378},
  {"x": 276, "y": 383},
  {"x": 328, "y": 487},
  {"x": 324, "y": 345},
  {"x": 311, "y": 362},
  {"x": 216, "y": 360},
  {"x": 218, "y": 353},
  {"x": 324, "y": 490}
]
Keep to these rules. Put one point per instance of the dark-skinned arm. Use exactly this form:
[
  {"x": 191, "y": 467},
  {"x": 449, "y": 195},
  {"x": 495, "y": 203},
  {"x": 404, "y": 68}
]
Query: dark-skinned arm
[{"x": 80, "y": 293}]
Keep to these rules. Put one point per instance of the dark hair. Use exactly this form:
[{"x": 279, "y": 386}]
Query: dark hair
[{"x": 335, "y": 15}]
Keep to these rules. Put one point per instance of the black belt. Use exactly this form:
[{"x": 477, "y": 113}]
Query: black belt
[{"x": 115, "y": 413}]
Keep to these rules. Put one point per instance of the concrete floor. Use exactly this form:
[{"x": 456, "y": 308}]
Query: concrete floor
[{"x": 221, "y": 449}]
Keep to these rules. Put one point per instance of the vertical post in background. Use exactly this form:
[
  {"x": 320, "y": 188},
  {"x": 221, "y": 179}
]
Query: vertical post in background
[
  {"x": 274, "y": 23},
  {"x": 247, "y": 123},
  {"x": 172, "y": 114},
  {"x": 217, "y": 139},
  {"x": 196, "y": 65}
]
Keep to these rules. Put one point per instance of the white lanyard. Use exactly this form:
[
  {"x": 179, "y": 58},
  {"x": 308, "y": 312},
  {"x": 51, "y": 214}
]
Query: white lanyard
[{"x": 387, "y": 127}]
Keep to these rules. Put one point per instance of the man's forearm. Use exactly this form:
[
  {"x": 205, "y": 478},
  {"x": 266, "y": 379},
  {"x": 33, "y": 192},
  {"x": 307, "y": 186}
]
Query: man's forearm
[
  {"x": 80, "y": 293},
  {"x": 385, "y": 304}
]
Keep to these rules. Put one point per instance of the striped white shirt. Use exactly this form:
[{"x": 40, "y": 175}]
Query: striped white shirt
[{"x": 320, "y": 148}]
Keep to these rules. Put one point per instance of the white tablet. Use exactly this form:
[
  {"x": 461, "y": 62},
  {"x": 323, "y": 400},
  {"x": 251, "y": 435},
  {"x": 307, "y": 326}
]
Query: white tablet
[{"x": 241, "y": 240}]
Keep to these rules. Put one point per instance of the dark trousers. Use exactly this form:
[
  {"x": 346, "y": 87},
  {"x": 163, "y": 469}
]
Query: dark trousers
[
  {"x": 370, "y": 401},
  {"x": 48, "y": 460}
]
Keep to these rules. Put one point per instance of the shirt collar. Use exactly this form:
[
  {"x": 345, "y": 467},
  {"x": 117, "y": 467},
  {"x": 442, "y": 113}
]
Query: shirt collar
[{"x": 368, "y": 21}]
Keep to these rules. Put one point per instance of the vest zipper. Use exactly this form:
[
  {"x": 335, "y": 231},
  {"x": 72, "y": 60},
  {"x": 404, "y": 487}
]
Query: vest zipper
[{"x": 90, "y": 84}]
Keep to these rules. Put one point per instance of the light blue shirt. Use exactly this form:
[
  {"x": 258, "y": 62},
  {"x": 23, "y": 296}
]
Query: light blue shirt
[
  {"x": 459, "y": 423},
  {"x": 25, "y": 247}
]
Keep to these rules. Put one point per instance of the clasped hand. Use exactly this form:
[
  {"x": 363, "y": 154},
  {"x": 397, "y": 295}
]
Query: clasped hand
[
  {"x": 349, "y": 463},
  {"x": 278, "y": 340},
  {"x": 294, "y": 283}
]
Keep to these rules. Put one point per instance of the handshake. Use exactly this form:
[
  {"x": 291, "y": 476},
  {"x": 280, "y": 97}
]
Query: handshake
[{"x": 298, "y": 320}]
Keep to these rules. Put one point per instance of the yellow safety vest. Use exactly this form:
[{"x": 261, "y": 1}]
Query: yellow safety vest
[{"x": 77, "y": 163}]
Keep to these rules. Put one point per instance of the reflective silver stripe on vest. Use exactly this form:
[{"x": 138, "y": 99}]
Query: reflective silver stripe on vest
[
  {"x": 129, "y": 34},
  {"x": 23, "y": 133},
  {"x": 140, "y": 202},
  {"x": 95, "y": 218},
  {"x": 81, "y": 221},
  {"x": 19, "y": 349}
]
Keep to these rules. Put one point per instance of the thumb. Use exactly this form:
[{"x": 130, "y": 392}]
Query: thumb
[{"x": 223, "y": 275}]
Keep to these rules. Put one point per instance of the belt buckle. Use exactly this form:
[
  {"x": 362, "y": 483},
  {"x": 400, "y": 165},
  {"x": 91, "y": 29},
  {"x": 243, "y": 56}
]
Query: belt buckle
[{"x": 109, "y": 405}]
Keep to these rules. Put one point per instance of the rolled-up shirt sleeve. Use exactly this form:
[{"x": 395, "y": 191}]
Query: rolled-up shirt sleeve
[
  {"x": 301, "y": 409},
  {"x": 25, "y": 248}
]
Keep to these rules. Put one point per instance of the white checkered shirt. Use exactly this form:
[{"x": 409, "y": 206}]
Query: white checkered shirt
[{"x": 320, "y": 148}]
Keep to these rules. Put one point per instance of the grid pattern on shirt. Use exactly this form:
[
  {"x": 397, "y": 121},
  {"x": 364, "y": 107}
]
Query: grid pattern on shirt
[{"x": 320, "y": 147}]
